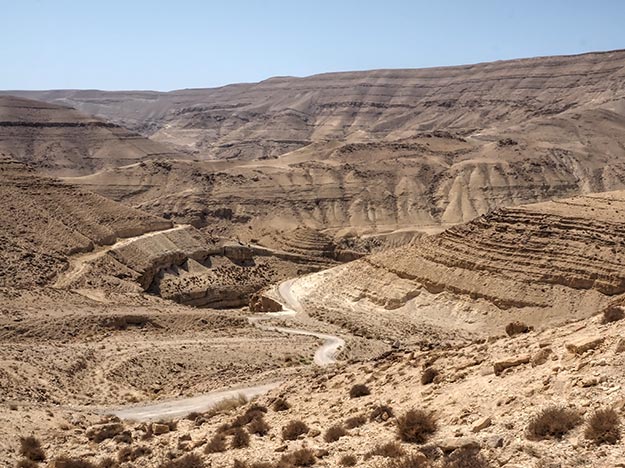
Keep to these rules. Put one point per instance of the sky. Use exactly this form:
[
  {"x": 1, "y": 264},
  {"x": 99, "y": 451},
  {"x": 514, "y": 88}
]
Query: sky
[{"x": 165, "y": 45}]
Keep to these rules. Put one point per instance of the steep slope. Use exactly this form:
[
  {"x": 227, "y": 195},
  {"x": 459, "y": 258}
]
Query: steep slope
[
  {"x": 61, "y": 141},
  {"x": 44, "y": 221},
  {"x": 280, "y": 114},
  {"x": 541, "y": 264}
]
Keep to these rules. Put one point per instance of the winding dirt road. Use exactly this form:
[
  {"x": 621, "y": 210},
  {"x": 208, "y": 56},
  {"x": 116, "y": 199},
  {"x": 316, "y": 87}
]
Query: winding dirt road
[{"x": 325, "y": 355}]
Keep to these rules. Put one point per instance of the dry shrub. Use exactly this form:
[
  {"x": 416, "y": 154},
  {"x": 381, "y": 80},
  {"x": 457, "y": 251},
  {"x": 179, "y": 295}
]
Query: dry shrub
[
  {"x": 466, "y": 458},
  {"x": 554, "y": 421},
  {"x": 612, "y": 314},
  {"x": 190, "y": 460},
  {"x": 259, "y": 427},
  {"x": 26, "y": 463},
  {"x": 348, "y": 460},
  {"x": 381, "y": 413},
  {"x": 516, "y": 328},
  {"x": 603, "y": 427},
  {"x": 355, "y": 421},
  {"x": 227, "y": 405},
  {"x": 216, "y": 444},
  {"x": 294, "y": 429},
  {"x": 388, "y": 450},
  {"x": 409, "y": 461},
  {"x": 301, "y": 457},
  {"x": 240, "y": 438},
  {"x": 65, "y": 462},
  {"x": 251, "y": 414},
  {"x": 107, "y": 462},
  {"x": 129, "y": 454},
  {"x": 428, "y": 375},
  {"x": 416, "y": 426},
  {"x": 281, "y": 404},
  {"x": 334, "y": 433},
  {"x": 359, "y": 390},
  {"x": 30, "y": 448}
]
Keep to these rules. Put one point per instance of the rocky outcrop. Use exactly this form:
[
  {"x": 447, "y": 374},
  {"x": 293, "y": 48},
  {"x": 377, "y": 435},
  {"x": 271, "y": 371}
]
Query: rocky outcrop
[{"x": 536, "y": 264}]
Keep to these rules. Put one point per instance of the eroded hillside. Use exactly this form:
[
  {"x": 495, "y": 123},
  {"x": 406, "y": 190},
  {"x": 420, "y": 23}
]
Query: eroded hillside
[{"x": 59, "y": 140}]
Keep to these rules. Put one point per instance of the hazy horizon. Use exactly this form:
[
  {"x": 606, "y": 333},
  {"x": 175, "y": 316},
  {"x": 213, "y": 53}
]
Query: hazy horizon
[{"x": 191, "y": 44}]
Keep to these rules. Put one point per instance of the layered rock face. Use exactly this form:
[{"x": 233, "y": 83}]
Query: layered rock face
[
  {"x": 61, "y": 141},
  {"x": 281, "y": 114},
  {"x": 44, "y": 221},
  {"x": 543, "y": 263}
]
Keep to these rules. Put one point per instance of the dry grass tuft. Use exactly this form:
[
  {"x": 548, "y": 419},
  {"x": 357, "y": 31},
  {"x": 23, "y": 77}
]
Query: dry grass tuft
[
  {"x": 240, "y": 438},
  {"x": 280, "y": 404},
  {"x": 229, "y": 404},
  {"x": 387, "y": 450},
  {"x": 416, "y": 426},
  {"x": 603, "y": 427},
  {"x": 294, "y": 429},
  {"x": 334, "y": 433},
  {"x": 554, "y": 421},
  {"x": 409, "y": 461},
  {"x": 301, "y": 457},
  {"x": 348, "y": 460},
  {"x": 30, "y": 448},
  {"x": 359, "y": 390},
  {"x": 259, "y": 427},
  {"x": 355, "y": 421},
  {"x": 26, "y": 463},
  {"x": 216, "y": 444},
  {"x": 190, "y": 460},
  {"x": 65, "y": 462}
]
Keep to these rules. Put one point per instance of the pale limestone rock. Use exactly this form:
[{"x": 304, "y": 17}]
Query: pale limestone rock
[
  {"x": 504, "y": 364},
  {"x": 582, "y": 345}
]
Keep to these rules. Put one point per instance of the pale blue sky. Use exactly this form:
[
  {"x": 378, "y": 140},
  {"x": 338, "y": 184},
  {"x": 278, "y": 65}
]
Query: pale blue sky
[{"x": 165, "y": 45}]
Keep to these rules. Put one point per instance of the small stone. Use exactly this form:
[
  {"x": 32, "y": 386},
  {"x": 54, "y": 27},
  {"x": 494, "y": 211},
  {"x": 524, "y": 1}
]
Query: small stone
[
  {"x": 589, "y": 382},
  {"x": 620, "y": 346},
  {"x": 541, "y": 357},
  {"x": 494, "y": 441},
  {"x": 159, "y": 429},
  {"x": 481, "y": 424}
]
